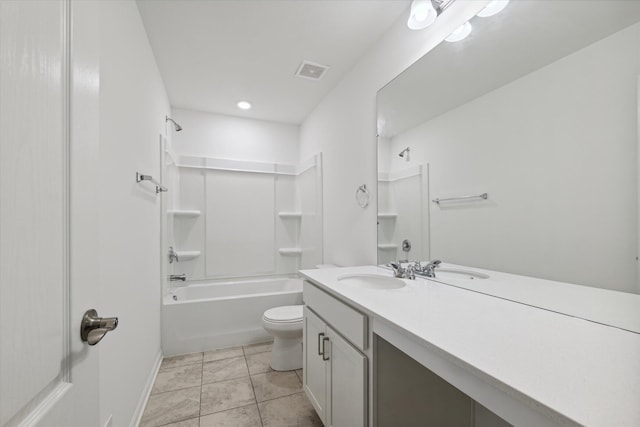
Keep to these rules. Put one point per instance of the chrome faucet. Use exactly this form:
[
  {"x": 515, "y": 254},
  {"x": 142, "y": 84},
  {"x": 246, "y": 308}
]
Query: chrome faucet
[
  {"x": 429, "y": 270},
  {"x": 176, "y": 277},
  {"x": 400, "y": 272}
]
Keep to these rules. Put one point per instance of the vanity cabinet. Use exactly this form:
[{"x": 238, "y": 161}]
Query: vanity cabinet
[{"x": 335, "y": 371}]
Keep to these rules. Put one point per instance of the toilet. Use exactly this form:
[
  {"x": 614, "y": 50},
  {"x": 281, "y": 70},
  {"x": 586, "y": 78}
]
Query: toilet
[{"x": 285, "y": 325}]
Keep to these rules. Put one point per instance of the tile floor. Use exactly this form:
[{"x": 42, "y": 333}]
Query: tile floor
[{"x": 233, "y": 387}]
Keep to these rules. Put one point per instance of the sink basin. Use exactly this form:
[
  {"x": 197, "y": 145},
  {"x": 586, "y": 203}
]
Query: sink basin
[
  {"x": 458, "y": 274},
  {"x": 372, "y": 281}
]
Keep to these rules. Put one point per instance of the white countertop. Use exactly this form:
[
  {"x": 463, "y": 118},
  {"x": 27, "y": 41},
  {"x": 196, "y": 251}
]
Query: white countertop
[
  {"x": 613, "y": 308},
  {"x": 570, "y": 369}
]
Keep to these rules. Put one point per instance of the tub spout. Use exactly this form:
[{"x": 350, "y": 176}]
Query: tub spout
[{"x": 176, "y": 277}]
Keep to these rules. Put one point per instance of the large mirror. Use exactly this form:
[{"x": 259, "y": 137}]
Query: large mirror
[{"x": 537, "y": 108}]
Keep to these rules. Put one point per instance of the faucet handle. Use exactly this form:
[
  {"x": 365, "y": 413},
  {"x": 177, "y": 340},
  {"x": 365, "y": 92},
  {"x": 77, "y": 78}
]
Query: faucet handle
[
  {"x": 173, "y": 255},
  {"x": 398, "y": 271}
]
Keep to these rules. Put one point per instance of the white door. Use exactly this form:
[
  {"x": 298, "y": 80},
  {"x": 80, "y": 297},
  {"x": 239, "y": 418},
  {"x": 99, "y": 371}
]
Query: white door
[
  {"x": 49, "y": 88},
  {"x": 347, "y": 383},
  {"x": 314, "y": 367}
]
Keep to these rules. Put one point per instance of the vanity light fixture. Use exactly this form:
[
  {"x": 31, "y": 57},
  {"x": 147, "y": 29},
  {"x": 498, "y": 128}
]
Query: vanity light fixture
[
  {"x": 493, "y": 8},
  {"x": 244, "y": 105},
  {"x": 425, "y": 12},
  {"x": 422, "y": 14},
  {"x": 460, "y": 33}
]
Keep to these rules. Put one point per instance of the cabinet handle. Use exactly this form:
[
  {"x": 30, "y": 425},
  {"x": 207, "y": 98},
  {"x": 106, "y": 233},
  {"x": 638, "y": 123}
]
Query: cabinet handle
[
  {"x": 320, "y": 352},
  {"x": 323, "y": 348}
]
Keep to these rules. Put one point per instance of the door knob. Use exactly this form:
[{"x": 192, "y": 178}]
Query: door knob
[{"x": 94, "y": 328}]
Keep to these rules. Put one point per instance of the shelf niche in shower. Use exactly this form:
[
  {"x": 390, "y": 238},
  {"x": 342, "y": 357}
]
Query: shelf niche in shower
[
  {"x": 387, "y": 215},
  {"x": 187, "y": 255},
  {"x": 184, "y": 213},
  {"x": 387, "y": 246},
  {"x": 290, "y": 215},
  {"x": 290, "y": 251}
]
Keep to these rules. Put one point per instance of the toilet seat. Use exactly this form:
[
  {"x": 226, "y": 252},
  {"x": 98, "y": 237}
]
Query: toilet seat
[{"x": 284, "y": 314}]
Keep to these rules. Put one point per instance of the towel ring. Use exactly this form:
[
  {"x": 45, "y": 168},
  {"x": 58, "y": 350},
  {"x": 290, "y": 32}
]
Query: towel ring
[{"x": 362, "y": 196}]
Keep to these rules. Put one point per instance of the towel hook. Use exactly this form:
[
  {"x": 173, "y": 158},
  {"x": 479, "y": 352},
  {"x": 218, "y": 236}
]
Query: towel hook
[{"x": 362, "y": 196}]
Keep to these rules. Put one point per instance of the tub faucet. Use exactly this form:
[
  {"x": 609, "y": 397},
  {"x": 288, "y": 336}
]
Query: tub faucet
[
  {"x": 176, "y": 277},
  {"x": 173, "y": 255}
]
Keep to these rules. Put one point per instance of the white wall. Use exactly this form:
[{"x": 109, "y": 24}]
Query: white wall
[
  {"x": 343, "y": 128},
  {"x": 237, "y": 138},
  {"x": 557, "y": 152},
  {"x": 133, "y": 105}
]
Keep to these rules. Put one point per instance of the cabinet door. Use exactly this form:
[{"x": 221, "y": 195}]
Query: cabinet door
[
  {"x": 313, "y": 367},
  {"x": 347, "y": 385}
]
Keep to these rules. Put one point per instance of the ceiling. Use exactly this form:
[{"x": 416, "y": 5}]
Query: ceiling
[{"x": 214, "y": 53}]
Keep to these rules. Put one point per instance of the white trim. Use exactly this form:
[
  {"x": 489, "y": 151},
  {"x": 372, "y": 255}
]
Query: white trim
[
  {"x": 196, "y": 162},
  {"x": 146, "y": 392},
  {"x": 235, "y": 165},
  {"x": 35, "y": 414},
  {"x": 400, "y": 174},
  {"x": 305, "y": 165}
]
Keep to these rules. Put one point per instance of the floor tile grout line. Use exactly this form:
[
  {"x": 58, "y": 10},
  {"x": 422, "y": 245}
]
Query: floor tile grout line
[
  {"x": 226, "y": 379},
  {"x": 201, "y": 380},
  {"x": 253, "y": 389},
  {"x": 178, "y": 421},
  {"x": 171, "y": 391},
  {"x": 280, "y": 397},
  {"x": 230, "y": 409},
  {"x": 178, "y": 366},
  {"x": 223, "y": 358}
]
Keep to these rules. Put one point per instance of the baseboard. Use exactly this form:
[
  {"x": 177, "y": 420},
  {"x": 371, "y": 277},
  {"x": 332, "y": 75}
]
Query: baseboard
[{"x": 144, "y": 397}]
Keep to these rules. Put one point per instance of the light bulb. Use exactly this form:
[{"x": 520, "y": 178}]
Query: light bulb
[
  {"x": 493, "y": 8},
  {"x": 460, "y": 33},
  {"x": 422, "y": 14},
  {"x": 244, "y": 105}
]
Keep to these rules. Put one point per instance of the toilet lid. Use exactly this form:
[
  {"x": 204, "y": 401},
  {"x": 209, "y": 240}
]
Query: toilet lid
[{"x": 287, "y": 313}]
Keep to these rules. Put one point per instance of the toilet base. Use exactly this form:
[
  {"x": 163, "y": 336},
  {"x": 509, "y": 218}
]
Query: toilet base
[{"x": 286, "y": 354}]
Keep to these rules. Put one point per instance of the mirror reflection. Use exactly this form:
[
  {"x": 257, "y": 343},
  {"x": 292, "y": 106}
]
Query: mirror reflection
[{"x": 537, "y": 109}]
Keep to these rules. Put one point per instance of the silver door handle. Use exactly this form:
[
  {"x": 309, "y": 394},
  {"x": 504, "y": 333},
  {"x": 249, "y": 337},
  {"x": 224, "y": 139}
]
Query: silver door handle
[
  {"x": 94, "y": 328},
  {"x": 320, "y": 335},
  {"x": 324, "y": 356}
]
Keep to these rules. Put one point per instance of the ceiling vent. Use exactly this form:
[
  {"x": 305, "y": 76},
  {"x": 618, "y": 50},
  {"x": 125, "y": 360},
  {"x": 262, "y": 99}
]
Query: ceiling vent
[{"x": 311, "y": 70}]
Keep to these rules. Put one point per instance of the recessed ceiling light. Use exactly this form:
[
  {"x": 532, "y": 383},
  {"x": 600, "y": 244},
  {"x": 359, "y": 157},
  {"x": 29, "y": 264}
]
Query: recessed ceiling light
[
  {"x": 493, "y": 8},
  {"x": 460, "y": 33},
  {"x": 244, "y": 105}
]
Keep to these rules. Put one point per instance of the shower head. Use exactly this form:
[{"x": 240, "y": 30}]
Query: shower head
[
  {"x": 404, "y": 153},
  {"x": 175, "y": 125}
]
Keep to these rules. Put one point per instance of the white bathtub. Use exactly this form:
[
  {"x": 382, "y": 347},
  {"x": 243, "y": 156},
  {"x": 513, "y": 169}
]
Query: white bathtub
[{"x": 214, "y": 315}]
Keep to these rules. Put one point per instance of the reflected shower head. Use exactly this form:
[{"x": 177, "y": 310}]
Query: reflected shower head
[
  {"x": 404, "y": 153},
  {"x": 177, "y": 127}
]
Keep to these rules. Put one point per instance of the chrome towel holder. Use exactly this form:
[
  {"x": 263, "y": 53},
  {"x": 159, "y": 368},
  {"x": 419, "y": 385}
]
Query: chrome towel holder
[
  {"x": 483, "y": 196},
  {"x": 159, "y": 188},
  {"x": 362, "y": 196}
]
